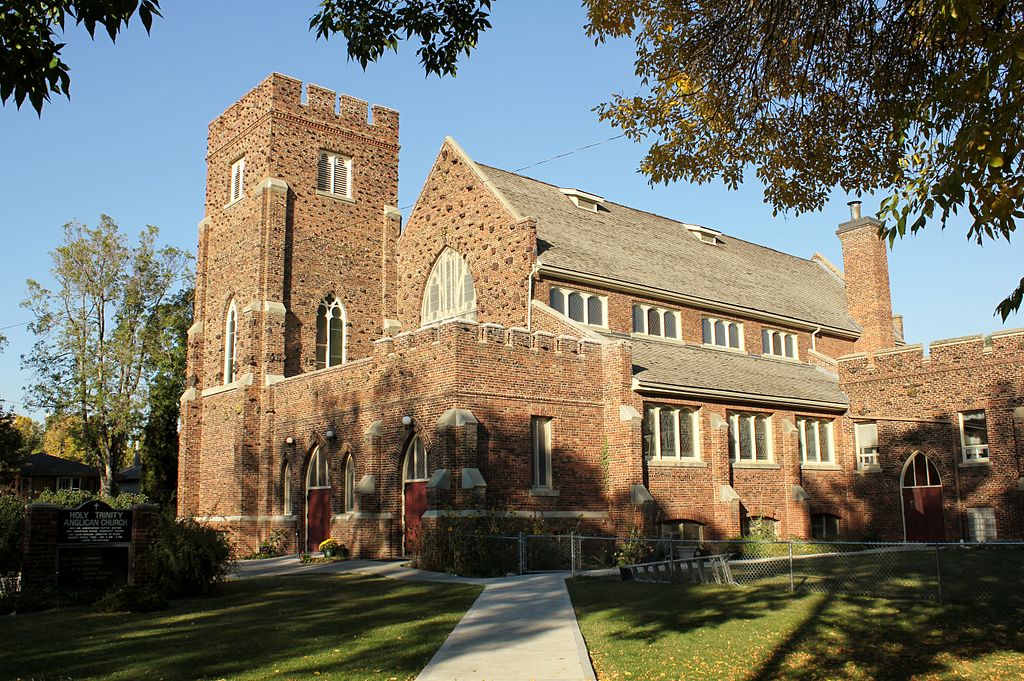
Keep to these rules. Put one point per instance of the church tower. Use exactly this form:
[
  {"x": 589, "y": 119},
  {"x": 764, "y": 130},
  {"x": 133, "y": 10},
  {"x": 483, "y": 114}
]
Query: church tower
[{"x": 295, "y": 272}]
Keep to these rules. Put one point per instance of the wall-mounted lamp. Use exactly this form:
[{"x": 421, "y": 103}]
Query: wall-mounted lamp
[
  {"x": 289, "y": 440},
  {"x": 329, "y": 435},
  {"x": 406, "y": 420}
]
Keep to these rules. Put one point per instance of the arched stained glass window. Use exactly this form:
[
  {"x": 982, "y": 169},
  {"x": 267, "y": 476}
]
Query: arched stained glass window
[
  {"x": 286, "y": 489},
  {"x": 350, "y": 484},
  {"x": 230, "y": 334},
  {"x": 330, "y": 333},
  {"x": 415, "y": 461},
  {"x": 317, "y": 475},
  {"x": 449, "y": 293}
]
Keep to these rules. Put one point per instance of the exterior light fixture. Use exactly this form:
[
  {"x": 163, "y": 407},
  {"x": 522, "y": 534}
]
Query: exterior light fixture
[
  {"x": 289, "y": 440},
  {"x": 406, "y": 420},
  {"x": 329, "y": 434}
]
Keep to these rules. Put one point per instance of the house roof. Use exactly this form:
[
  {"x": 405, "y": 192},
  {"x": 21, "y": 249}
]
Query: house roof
[
  {"x": 660, "y": 366},
  {"x": 640, "y": 248},
  {"x": 131, "y": 474},
  {"x": 45, "y": 464}
]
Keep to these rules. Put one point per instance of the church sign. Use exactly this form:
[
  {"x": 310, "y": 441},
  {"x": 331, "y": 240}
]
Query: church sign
[{"x": 93, "y": 546}]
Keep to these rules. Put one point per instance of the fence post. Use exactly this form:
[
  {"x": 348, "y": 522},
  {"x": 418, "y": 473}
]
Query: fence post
[
  {"x": 938, "y": 571},
  {"x": 572, "y": 553},
  {"x": 792, "y": 580},
  {"x": 522, "y": 554}
]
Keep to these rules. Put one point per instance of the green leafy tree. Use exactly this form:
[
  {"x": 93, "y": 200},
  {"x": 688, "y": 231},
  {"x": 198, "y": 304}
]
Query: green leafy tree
[
  {"x": 917, "y": 100},
  {"x": 169, "y": 326},
  {"x": 31, "y": 64},
  {"x": 93, "y": 346},
  {"x": 63, "y": 438},
  {"x": 11, "y": 445},
  {"x": 31, "y": 435}
]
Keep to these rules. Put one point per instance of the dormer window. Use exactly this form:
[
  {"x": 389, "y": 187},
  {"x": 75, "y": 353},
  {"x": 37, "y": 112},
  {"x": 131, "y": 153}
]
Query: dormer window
[
  {"x": 704, "y": 234},
  {"x": 583, "y": 199}
]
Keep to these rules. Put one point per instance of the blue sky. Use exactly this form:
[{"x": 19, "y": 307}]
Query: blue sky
[{"x": 131, "y": 143}]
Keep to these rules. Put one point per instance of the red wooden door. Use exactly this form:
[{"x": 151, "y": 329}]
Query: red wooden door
[
  {"x": 922, "y": 514},
  {"x": 415, "y": 507},
  {"x": 318, "y": 518}
]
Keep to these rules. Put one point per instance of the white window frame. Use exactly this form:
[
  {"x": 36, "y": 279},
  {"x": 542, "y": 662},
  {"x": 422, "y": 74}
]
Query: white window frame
[
  {"x": 663, "y": 314},
  {"x": 447, "y": 284},
  {"x": 236, "y": 181},
  {"x": 231, "y": 344},
  {"x": 332, "y": 160},
  {"x": 714, "y": 334},
  {"x": 783, "y": 336},
  {"x": 318, "y": 472},
  {"x": 734, "y": 437},
  {"x": 68, "y": 482},
  {"x": 981, "y": 524},
  {"x": 807, "y": 424},
  {"x": 867, "y": 455},
  {"x": 654, "y": 453},
  {"x": 973, "y": 453},
  {"x": 540, "y": 445},
  {"x": 416, "y": 460},
  {"x": 566, "y": 292},
  {"x": 348, "y": 497},
  {"x": 286, "y": 489},
  {"x": 329, "y": 304}
]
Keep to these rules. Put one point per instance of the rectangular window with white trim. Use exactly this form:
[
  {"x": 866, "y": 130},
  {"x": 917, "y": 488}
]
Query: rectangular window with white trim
[
  {"x": 579, "y": 306},
  {"x": 655, "y": 321},
  {"x": 866, "y": 436},
  {"x": 981, "y": 524},
  {"x": 722, "y": 333},
  {"x": 779, "y": 343},
  {"x": 540, "y": 427},
  {"x": 815, "y": 441},
  {"x": 974, "y": 436},
  {"x": 670, "y": 433},
  {"x": 750, "y": 437},
  {"x": 237, "y": 188},
  {"x": 70, "y": 483},
  {"x": 334, "y": 174}
]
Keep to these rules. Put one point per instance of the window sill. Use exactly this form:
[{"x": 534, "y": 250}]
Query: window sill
[
  {"x": 757, "y": 464},
  {"x": 975, "y": 464},
  {"x": 723, "y": 348},
  {"x": 677, "y": 463},
  {"x": 780, "y": 358},
  {"x": 868, "y": 469},
  {"x": 543, "y": 492},
  {"x": 649, "y": 336},
  {"x": 332, "y": 195},
  {"x": 821, "y": 467},
  {"x": 229, "y": 204}
]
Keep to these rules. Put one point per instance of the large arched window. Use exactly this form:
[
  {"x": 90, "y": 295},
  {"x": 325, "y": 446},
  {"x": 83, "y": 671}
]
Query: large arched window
[
  {"x": 415, "y": 461},
  {"x": 330, "y": 333},
  {"x": 350, "y": 485},
  {"x": 449, "y": 293},
  {"x": 230, "y": 333},
  {"x": 919, "y": 471},
  {"x": 286, "y": 489}
]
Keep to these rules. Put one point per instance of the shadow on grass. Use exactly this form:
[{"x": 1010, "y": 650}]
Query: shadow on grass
[
  {"x": 342, "y": 626},
  {"x": 681, "y": 631}
]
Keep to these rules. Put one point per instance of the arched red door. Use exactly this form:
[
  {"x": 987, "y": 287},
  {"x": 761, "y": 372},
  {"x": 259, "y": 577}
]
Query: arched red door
[
  {"x": 414, "y": 478},
  {"x": 921, "y": 488},
  {"x": 318, "y": 501}
]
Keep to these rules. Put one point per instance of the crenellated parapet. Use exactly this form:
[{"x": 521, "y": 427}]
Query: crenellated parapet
[
  {"x": 284, "y": 95},
  {"x": 487, "y": 334},
  {"x": 946, "y": 354}
]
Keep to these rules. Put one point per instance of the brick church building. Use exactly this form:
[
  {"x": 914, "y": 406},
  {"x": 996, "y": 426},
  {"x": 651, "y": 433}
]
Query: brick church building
[{"x": 546, "y": 351}]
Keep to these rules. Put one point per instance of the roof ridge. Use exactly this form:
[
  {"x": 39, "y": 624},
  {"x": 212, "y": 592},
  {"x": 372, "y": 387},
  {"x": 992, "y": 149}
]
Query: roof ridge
[{"x": 656, "y": 215}]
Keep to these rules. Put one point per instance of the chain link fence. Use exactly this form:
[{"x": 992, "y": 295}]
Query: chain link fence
[{"x": 953, "y": 572}]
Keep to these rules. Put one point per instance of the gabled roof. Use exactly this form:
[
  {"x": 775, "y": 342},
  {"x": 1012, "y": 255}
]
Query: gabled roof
[
  {"x": 44, "y": 464},
  {"x": 635, "y": 247},
  {"x": 660, "y": 366}
]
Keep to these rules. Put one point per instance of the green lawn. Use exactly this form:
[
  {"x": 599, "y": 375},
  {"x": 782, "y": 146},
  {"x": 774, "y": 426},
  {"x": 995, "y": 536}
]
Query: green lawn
[
  {"x": 300, "y": 627},
  {"x": 661, "y": 631}
]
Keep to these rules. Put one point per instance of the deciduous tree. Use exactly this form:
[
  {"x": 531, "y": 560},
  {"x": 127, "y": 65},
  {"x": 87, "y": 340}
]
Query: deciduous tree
[{"x": 93, "y": 349}]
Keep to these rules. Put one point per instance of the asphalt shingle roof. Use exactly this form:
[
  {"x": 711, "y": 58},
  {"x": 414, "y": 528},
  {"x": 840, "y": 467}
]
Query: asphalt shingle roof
[
  {"x": 45, "y": 464},
  {"x": 649, "y": 250},
  {"x": 703, "y": 369}
]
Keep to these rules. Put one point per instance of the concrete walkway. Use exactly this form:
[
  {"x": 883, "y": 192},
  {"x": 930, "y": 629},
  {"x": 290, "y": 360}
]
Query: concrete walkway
[{"x": 519, "y": 629}]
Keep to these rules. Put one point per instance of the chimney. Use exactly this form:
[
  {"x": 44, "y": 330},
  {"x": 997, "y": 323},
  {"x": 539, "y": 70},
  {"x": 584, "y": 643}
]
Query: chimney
[{"x": 866, "y": 269}]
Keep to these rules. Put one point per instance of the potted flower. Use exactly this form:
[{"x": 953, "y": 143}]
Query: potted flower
[{"x": 329, "y": 547}]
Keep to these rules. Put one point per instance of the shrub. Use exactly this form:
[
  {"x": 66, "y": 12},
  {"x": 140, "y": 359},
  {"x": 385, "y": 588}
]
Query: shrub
[
  {"x": 635, "y": 549},
  {"x": 187, "y": 558},
  {"x": 73, "y": 498},
  {"x": 272, "y": 546},
  {"x": 12, "y": 529},
  {"x": 330, "y": 544},
  {"x": 132, "y": 599}
]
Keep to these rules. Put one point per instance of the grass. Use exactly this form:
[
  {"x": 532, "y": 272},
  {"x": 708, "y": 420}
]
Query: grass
[
  {"x": 337, "y": 627},
  {"x": 661, "y": 631}
]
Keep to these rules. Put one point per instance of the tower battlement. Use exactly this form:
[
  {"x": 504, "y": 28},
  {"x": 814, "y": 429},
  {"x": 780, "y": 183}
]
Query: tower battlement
[{"x": 282, "y": 94}]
